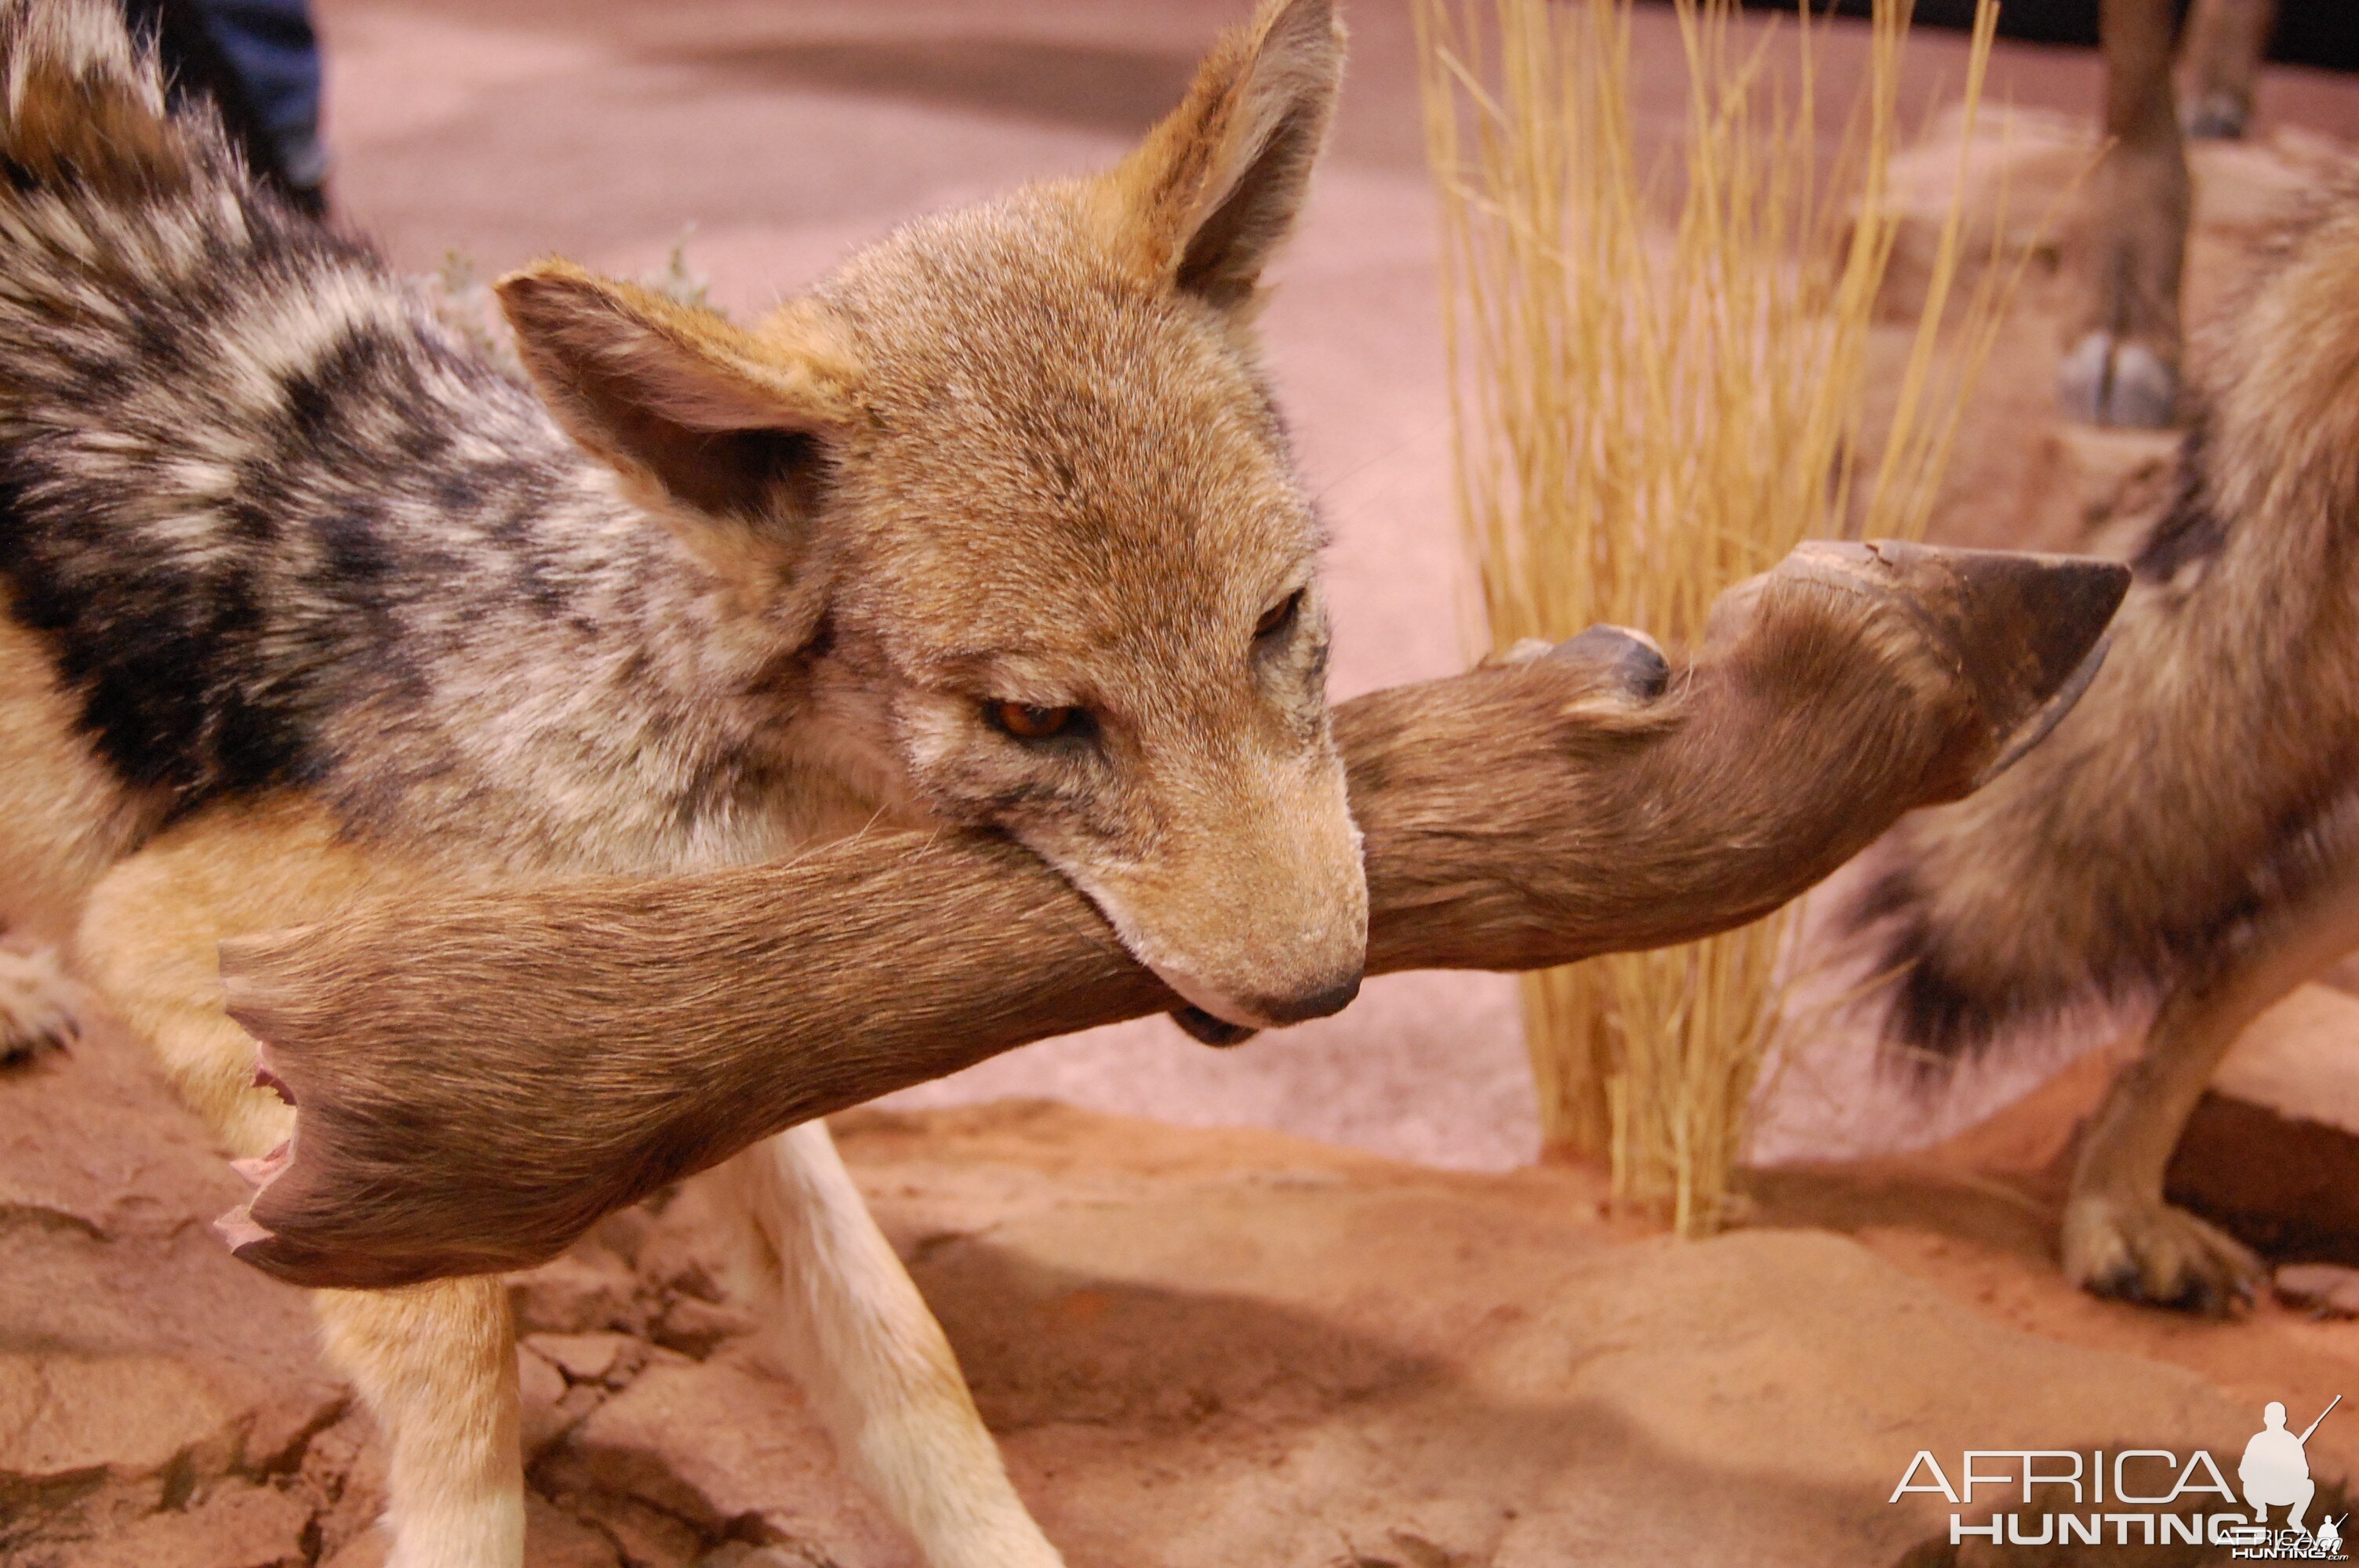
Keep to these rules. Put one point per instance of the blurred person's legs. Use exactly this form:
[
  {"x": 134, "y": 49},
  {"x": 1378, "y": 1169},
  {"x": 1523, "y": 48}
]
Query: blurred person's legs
[{"x": 276, "y": 53}]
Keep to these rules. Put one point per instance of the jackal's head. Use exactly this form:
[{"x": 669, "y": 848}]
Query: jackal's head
[{"x": 1011, "y": 483}]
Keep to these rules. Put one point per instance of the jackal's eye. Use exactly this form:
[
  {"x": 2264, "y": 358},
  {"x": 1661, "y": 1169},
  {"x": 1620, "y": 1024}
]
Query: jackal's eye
[
  {"x": 1280, "y": 616},
  {"x": 1025, "y": 722}
]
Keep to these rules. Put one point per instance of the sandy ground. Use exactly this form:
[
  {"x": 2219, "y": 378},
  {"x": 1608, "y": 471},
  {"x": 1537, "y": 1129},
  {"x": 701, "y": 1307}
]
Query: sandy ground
[
  {"x": 1198, "y": 1348},
  {"x": 770, "y": 138}
]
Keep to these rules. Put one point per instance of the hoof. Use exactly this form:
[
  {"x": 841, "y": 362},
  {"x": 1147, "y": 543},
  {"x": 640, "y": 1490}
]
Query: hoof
[
  {"x": 2108, "y": 381},
  {"x": 2144, "y": 1251},
  {"x": 2218, "y": 117}
]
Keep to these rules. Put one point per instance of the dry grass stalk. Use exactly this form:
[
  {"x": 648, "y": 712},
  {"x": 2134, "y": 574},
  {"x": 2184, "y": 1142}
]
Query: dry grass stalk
[{"x": 1659, "y": 384}]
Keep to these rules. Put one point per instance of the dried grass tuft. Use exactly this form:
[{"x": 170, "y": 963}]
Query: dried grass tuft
[{"x": 1660, "y": 382}]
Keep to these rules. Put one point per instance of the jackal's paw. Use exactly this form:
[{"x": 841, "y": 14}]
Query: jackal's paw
[
  {"x": 2107, "y": 379},
  {"x": 2139, "y": 1250},
  {"x": 35, "y": 1005}
]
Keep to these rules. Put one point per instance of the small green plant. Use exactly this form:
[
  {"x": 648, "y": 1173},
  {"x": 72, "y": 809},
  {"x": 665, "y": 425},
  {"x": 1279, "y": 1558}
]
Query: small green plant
[{"x": 461, "y": 298}]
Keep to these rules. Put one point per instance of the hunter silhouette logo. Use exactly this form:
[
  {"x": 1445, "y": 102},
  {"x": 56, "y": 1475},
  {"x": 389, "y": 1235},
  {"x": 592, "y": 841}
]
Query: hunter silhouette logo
[
  {"x": 2142, "y": 1497},
  {"x": 2275, "y": 1471}
]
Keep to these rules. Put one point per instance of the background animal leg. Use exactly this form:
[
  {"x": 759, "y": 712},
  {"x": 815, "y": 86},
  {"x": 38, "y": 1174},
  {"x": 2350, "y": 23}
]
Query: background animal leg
[
  {"x": 2123, "y": 367},
  {"x": 2226, "y": 41}
]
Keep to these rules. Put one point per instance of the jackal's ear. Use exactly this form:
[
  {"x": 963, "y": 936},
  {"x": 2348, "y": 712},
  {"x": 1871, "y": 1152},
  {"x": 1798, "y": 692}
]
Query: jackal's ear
[
  {"x": 1213, "y": 192},
  {"x": 728, "y": 421}
]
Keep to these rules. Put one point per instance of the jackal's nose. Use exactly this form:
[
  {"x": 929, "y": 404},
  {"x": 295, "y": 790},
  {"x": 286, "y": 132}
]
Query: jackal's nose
[{"x": 1306, "y": 1005}]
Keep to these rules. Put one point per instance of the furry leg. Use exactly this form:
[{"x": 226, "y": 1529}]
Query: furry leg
[
  {"x": 437, "y": 1366},
  {"x": 2120, "y": 1238},
  {"x": 856, "y": 1333}
]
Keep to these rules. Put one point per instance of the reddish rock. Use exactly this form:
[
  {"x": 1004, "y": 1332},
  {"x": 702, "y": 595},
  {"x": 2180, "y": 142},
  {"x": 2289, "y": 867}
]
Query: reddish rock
[
  {"x": 635, "y": 1533},
  {"x": 2328, "y": 1290},
  {"x": 585, "y": 1291},
  {"x": 238, "y": 1527},
  {"x": 1265, "y": 1351},
  {"x": 1225, "y": 1347},
  {"x": 2272, "y": 1151},
  {"x": 344, "y": 1472},
  {"x": 140, "y": 1366},
  {"x": 557, "y": 1540},
  {"x": 542, "y": 1389},
  {"x": 730, "y": 1449},
  {"x": 603, "y": 1358},
  {"x": 697, "y": 1328}
]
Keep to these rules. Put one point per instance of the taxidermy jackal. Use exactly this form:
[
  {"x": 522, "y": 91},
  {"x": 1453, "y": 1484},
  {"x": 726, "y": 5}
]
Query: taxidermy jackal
[
  {"x": 2190, "y": 831},
  {"x": 995, "y": 528}
]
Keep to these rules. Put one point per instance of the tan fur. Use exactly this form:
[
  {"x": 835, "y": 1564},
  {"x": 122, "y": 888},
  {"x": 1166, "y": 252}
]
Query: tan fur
[
  {"x": 81, "y": 110},
  {"x": 63, "y": 817},
  {"x": 437, "y": 1363},
  {"x": 153, "y": 923},
  {"x": 63, "y": 820},
  {"x": 870, "y": 1357},
  {"x": 665, "y": 393},
  {"x": 1190, "y": 179},
  {"x": 2224, "y": 706},
  {"x": 1021, "y": 453},
  {"x": 1521, "y": 815},
  {"x": 38, "y": 1008}
]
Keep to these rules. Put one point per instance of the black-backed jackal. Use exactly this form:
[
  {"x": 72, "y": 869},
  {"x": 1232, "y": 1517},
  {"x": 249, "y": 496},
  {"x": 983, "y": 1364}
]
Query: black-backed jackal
[
  {"x": 995, "y": 528},
  {"x": 2190, "y": 832}
]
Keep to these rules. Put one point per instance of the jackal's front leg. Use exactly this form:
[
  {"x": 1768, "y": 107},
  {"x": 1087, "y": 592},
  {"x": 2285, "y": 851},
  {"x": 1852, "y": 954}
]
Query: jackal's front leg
[
  {"x": 857, "y": 1337},
  {"x": 2120, "y": 1238},
  {"x": 437, "y": 1365}
]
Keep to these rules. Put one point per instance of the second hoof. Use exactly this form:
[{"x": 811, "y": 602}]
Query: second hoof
[{"x": 2111, "y": 381}]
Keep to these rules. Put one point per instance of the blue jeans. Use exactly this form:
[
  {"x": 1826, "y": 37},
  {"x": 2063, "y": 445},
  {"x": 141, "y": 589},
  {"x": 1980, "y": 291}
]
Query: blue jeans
[{"x": 271, "y": 46}]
